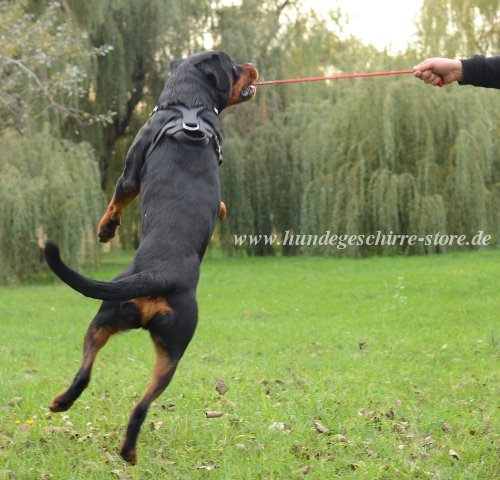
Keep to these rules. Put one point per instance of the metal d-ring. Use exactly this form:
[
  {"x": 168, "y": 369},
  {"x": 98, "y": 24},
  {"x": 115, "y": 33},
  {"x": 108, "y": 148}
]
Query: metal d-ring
[{"x": 190, "y": 127}]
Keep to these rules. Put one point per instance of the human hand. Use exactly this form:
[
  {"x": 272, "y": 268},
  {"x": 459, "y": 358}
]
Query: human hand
[{"x": 439, "y": 71}]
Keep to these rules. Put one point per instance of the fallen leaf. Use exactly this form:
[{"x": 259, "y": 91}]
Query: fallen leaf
[
  {"x": 85, "y": 438},
  {"x": 304, "y": 470},
  {"x": 400, "y": 426},
  {"x": 13, "y": 402},
  {"x": 339, "y": 438},
  {"x": 121, "y": 474},
  {"x": 428, "y": 441},
  {"x": 108, "y": 457},
  {"x": 207, "y": 466},
  {"x": 280, "y": 426},
  {"x": 321, "y": 428},
  {"x": 390, "y": 414},
  {"x": 157, "y": 425},
  {"x": 454, "y": 454},
  {"x": 212, "y": 414},
  {"x": 446, "y": 427},
  {"x": 221, "y": 387}
]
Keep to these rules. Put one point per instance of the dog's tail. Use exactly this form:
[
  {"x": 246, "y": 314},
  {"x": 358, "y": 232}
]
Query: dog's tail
[{"x": 137, "y": 285}]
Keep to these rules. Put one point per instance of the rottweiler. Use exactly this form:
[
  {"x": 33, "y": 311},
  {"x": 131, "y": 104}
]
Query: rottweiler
[{"x": 174, "y": 164}]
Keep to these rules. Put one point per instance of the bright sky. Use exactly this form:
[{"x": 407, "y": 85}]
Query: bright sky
[{"x": 383, "y": 23}]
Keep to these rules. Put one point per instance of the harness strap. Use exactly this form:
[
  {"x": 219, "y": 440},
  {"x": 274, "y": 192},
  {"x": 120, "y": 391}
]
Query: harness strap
[{"x": 191, "y": 127}]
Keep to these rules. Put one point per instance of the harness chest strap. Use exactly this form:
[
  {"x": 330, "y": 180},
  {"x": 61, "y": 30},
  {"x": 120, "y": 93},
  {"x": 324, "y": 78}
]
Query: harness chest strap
[{"x": 191, "y": 127}]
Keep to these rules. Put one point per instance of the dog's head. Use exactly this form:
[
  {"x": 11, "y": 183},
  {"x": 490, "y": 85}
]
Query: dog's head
[{"x": 221, "y": 78}]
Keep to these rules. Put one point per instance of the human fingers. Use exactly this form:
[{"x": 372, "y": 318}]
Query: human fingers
[{"x": 423, "y": 66}]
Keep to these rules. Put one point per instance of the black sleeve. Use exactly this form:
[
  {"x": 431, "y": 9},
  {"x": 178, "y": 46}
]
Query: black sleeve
[{"x": 481, "y": 71}]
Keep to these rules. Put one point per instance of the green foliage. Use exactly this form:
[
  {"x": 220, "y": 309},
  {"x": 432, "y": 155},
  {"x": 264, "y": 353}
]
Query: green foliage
[
  {"x": 351, "y": 157},
  {"x": 459, "y": 27},
  {"x": 48, "y": 188},
  {"x": 381, "y": 155},
  {"x": 44, "y": 64}
]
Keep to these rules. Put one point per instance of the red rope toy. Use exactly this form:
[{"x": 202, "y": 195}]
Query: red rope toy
[{"x": 336, "y": 77}]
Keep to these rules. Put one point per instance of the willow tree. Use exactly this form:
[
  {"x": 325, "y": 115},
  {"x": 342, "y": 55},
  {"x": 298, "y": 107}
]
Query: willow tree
[
  {"x": 356, "y": 157},
  {"x": 261, "y": 182},
  {"x": 44, "y": 62},
  {"x": 464, "y": 27},
  {"x": 403, "y": 159},
  {"x": 47, "y": 186}
]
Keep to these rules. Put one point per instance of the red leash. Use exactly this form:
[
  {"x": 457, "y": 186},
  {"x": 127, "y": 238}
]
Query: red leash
[{"x": 334, "y": 77}]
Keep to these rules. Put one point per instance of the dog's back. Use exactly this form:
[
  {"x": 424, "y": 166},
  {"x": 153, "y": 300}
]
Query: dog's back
[{"x": 180, "y": 200}]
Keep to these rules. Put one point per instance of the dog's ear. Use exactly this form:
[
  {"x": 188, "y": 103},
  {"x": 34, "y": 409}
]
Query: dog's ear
[
  {"x": 214, "y": 71},
  {"x": 174, "y": 64}
]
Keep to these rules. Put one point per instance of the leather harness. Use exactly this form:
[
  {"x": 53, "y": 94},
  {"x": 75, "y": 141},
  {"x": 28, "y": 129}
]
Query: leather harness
[{"x": 191, "y": 125}]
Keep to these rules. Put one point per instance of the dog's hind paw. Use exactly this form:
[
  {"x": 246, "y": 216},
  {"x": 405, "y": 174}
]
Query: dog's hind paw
[{"x": 129, "y": 455}]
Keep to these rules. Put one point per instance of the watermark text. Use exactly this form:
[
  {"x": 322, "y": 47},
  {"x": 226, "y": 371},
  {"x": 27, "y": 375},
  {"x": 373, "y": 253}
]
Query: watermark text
[{"x": 327, "y": 238}]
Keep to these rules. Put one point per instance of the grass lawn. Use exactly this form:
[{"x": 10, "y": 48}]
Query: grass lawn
[{"x": 380, "y": 368}]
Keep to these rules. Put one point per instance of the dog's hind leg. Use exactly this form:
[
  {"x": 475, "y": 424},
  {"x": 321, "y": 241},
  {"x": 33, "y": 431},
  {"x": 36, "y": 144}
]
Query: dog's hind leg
[
  {"x": 171, "y": 334},
  {"x": 111, "y": 318}
]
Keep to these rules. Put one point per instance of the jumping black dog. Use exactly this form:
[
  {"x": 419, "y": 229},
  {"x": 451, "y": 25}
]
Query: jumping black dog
[{"x": 174, "y": 164}]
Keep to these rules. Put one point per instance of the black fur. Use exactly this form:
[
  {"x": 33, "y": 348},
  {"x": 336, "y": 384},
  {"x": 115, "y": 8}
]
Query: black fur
[{"x": 180, "y": 205}]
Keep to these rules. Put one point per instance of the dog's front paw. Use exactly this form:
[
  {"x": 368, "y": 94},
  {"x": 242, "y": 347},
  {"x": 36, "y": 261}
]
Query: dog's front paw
[{"x": 107, "y": 229}]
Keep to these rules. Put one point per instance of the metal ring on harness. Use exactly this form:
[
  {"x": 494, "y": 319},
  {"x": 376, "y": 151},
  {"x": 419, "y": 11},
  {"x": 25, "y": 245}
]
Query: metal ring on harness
[{"x": 190, "y": 127}]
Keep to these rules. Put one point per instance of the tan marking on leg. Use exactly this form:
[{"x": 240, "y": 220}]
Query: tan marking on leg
[
  {"x": 223, "y": 211},
  {"x": 161, "y": 369},
  {"x": 113, "y": 215},
  {"x": 162, "y": 374},
  {"x": 149, "y": 306},
  {"x": 94, "y": 341}
]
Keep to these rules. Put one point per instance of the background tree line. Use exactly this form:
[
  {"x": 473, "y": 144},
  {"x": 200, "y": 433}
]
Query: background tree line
[{"x": 79, "y": 78}]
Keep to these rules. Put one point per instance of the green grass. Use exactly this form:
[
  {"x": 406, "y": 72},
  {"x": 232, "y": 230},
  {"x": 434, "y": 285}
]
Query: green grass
[{"x": 397, "y": 357}]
